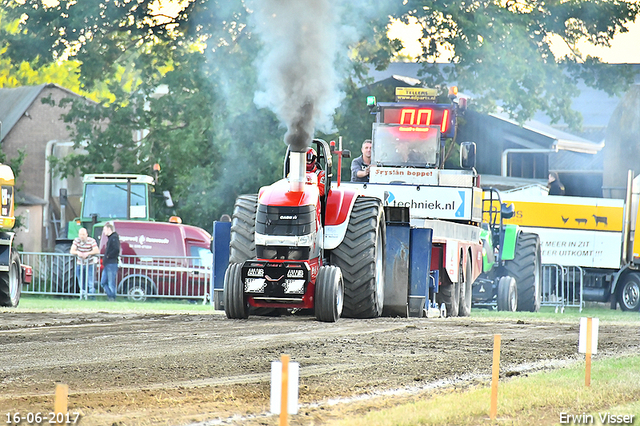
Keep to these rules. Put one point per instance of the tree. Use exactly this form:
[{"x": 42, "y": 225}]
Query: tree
[
  {"x": 213, "y": 142},
  {"x": 502, "y": 53}
]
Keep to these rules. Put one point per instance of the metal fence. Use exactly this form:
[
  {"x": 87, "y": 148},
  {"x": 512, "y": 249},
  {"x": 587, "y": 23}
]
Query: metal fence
[
  {"x": 562, "y": 287},
  {"x": 139, "y": 278}
]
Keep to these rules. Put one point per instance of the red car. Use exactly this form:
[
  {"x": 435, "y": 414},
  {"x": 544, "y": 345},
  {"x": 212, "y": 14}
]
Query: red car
[{"x": 162, "y": 259}]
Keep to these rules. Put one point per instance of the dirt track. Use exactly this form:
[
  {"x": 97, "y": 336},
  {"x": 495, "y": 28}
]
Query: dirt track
[{"x": 149, "y": 369}]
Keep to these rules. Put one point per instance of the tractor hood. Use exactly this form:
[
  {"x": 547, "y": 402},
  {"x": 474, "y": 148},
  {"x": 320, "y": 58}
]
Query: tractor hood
[{"x": 280, "y": 193}]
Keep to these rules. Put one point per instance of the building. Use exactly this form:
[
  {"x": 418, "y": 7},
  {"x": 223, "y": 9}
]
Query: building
[{"x": 37, "y": 128}]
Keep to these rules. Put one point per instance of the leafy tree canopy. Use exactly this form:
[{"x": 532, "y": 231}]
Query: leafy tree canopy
[
  {"x": 502, "y": 52},
  {"x": 208, "y": 136}
]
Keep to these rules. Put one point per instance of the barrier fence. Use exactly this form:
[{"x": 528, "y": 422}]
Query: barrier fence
[
  {"x": 164, "y": 277},
  {"x": 562, "y": 287},
  {"x": 139, "y": 278}
]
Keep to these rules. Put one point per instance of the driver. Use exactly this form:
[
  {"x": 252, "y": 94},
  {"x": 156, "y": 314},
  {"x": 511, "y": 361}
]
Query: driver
[{"x": 312, "y": 167}]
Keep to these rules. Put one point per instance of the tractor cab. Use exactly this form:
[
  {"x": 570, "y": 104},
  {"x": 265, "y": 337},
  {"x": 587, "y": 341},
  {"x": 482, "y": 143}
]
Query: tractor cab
[{"x": 109, "y": 197}]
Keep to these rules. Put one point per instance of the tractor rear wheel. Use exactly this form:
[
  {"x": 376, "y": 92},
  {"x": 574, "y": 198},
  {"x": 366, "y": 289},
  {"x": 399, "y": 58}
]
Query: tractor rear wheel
[
  {"x": 235, "y": 302},
  {"x": 360, "y": 257},
  {"x": 449, "y": 294},
  {"x": 526, "y": 268},
  {"x": 10, "y": 282},
  {"x": 243, "y": 225},
  {"x": 329, "y": 294},
  {"x": 507, "y": 294}
]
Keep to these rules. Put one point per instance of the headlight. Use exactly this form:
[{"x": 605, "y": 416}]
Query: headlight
[
  {"x": 255, "y": 272},
  {"x": 254, "y": 285},
  {"x": 294, "y": 286}
]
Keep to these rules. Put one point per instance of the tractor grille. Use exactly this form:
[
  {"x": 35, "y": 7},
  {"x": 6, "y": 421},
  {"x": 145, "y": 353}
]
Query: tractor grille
[
  {"x": 282, "y": 252},
  {"x": 286, "y": 221}
]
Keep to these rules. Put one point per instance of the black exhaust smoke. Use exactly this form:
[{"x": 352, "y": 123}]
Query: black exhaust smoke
[{"x": 296, "y": 69}]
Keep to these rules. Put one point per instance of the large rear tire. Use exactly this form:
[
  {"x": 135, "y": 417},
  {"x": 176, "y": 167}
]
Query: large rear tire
[
  {"x": 329, "y": 294},
  {"x": 235, "y": 302},
  {"x": 10, "y": 282},
  {"x": 628, "y": 293},
  {"x": 63, "y": 273},
  {"x": 243, "y": 226},
  {"x": 507, "y": 294},
  {"x": 526, "y": 268},
  {"x": 360, "y": 257}
]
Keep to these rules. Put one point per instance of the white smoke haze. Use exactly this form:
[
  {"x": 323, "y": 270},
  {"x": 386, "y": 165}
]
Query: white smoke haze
[{"x": 297, "y": 67}]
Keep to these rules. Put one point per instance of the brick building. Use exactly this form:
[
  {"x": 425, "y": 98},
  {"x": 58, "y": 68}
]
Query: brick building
[{"x": 38, "y": 129}]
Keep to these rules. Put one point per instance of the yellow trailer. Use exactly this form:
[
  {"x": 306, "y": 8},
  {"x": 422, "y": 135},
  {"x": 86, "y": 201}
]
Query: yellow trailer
[{"x": 595, "y": 234}]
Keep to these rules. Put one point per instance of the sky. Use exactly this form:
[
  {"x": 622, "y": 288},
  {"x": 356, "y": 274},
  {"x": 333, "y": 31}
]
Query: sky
[{"x": 625, "y": 48}]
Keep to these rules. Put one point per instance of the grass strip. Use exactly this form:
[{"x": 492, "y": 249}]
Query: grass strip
[
  {"x": 35, "y": 303},
  {"x": 537, "y": 399}
]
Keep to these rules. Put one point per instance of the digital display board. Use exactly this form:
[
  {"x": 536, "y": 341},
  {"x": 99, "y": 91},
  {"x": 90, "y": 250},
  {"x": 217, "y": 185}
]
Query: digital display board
[{"x": 418, "y": 116}]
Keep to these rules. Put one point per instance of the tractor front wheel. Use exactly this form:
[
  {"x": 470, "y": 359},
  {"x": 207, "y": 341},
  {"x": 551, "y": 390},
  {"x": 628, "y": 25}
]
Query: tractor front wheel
[
  {"x": 329, "y": 294},
  {"x": 236, "y": 305}
]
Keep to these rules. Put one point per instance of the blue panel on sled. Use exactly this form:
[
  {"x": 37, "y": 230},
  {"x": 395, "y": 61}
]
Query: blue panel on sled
[
  {"x": 396, "y": 270},
  {"x": 420, "y": 261},
  {"x": 220, "y": 240}
]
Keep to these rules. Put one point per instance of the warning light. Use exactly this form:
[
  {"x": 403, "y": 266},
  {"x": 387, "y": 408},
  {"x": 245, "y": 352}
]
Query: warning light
[{"x": 371, "y": 101}]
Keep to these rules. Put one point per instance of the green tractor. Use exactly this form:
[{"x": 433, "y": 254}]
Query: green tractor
[
  {"x": 105, "y": 197},
  {"x": 512, "y": 266}
]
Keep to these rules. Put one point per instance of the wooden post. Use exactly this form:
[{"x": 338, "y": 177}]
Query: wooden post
[
  {"x": 284, "y": 403},
  {"x": 495, "y": 375},
  {"x": 587, "y": 375},
  {"x": 60, "y": 402}
]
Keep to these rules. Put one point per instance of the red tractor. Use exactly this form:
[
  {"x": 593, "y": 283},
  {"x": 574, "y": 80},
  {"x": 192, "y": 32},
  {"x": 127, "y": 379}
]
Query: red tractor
[{"x": 300, "y": 244}]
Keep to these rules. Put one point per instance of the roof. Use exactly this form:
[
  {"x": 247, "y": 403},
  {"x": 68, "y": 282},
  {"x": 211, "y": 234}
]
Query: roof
[
  {"x": 16, "y": 101},
  {"x": 559, "y": 139},
  {"x": 571, "y": 162}
]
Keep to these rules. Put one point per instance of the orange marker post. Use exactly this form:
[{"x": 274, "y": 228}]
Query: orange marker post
[
  {"x": 587, "y": 375},
  {"x": 284, "y": 403},
  {"x": 495, "y": 376},
  {"x": 60, "y": 403}
]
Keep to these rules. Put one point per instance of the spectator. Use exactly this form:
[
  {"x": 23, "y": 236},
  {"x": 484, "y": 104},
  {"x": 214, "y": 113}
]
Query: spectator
[
  {"x": 555, "y": 186},
  {"x": 110, "y": 261},
  {"x": 86, "y": 251},
  {"x": 360, "y": 166}
]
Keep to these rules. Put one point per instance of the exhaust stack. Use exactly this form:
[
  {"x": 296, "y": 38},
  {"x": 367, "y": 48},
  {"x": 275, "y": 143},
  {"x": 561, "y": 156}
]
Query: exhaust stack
[{"x": 297, "y": 171}]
